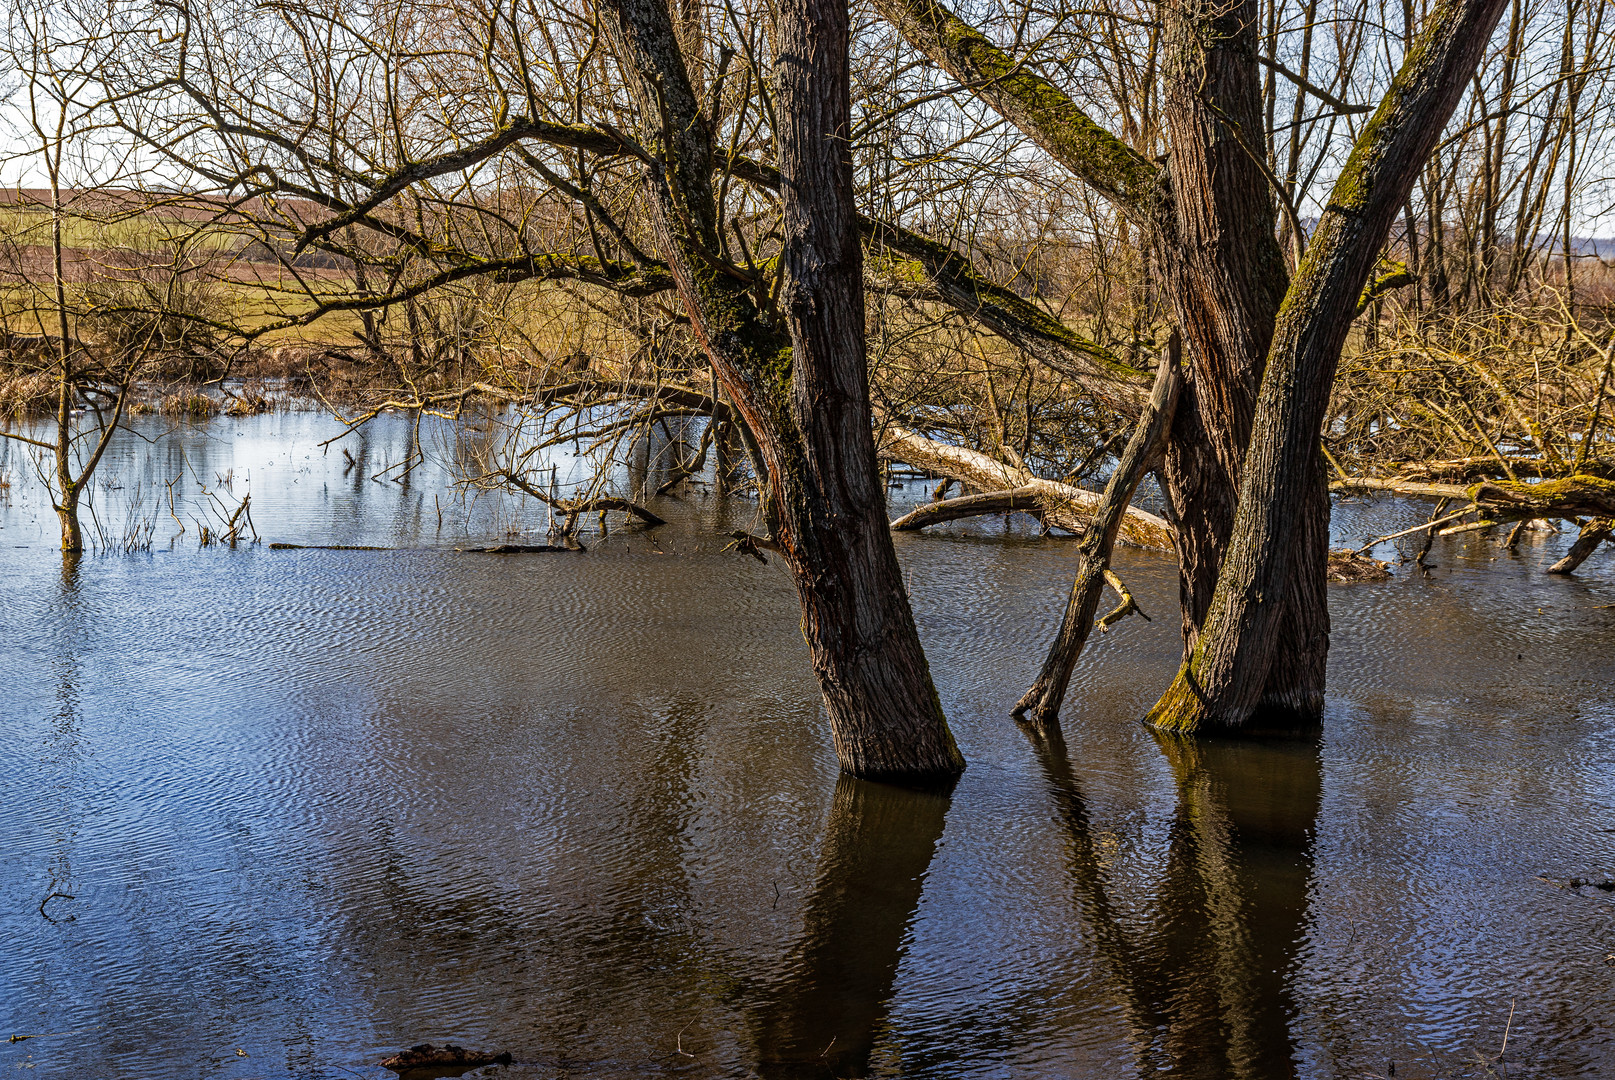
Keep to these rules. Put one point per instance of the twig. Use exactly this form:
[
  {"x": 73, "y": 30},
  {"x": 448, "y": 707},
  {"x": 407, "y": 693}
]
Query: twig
[
  {"x": 1127, "y": 606},
  {"x": 42, "y": 903},
  {"x": 680, "y": 1040},
  {"x": 1417, "y": 528}
]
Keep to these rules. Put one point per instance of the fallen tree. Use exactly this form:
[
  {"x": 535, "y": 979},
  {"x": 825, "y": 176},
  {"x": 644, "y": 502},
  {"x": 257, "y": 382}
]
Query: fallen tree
[
  {"x": 1006, "y": 487},
  {"x": 1500, "y": 502},
  {"x": 1569, "y": 497}
]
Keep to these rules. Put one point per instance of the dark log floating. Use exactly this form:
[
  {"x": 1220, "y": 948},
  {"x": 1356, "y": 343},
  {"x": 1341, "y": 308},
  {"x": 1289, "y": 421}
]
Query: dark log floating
[
  {"x": 427, "y": 1061},
  {"x": 520, "y": 549},
  {"x": 497, "y": 549},
  {"x": 278, "y": 546}
]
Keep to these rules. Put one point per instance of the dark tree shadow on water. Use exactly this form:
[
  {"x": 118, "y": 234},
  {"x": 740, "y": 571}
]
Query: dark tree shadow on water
[
  {"x": 1204, "y": 974},
  {"x": 823, "y": 1018}
]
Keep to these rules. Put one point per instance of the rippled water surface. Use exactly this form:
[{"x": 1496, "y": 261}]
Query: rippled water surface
[{"x": 272, "y": 813}]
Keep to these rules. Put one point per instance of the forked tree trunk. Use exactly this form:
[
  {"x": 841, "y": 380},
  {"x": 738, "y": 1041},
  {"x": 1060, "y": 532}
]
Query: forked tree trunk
[
  {"x": 803, "y": 392},
  {"x": 1226, "y": 279},
  {"x": 67, "y": 490},
  {"x": 1222, "y": 683},
  {"x": 1210, "y": 210}
]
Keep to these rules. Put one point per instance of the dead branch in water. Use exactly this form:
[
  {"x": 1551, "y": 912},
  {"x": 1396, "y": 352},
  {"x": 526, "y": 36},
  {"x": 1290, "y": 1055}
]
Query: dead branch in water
[
  {"x": 1024, "y": 499},
  {"x": 1595, "y": 532},
  {"x": 1042, "y": 700},
  {"x": 1061, "y": 506}
]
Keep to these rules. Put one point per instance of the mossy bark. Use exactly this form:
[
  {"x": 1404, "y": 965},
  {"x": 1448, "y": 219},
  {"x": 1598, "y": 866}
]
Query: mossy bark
[
  {"x": 1220, "y": 685},
  {"x": 1248, "y": 649},
  {"x": 1226, "y": 280},
  {"x": 1040, "y": 109},
  {"x": 1211, "y": 214}
]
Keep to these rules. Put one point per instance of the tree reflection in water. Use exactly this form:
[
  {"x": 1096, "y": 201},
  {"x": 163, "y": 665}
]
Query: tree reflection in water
[
  {"x": 1204, "y": 973},
  {"x": 1202, "y": 970},
  {"x": 824, "y": 1017}
]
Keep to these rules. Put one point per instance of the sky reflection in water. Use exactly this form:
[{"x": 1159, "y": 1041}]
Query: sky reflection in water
[{"x": 314, "y": 806}]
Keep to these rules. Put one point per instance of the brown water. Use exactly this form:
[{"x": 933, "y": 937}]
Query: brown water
[{"x": 315, "y": 806}]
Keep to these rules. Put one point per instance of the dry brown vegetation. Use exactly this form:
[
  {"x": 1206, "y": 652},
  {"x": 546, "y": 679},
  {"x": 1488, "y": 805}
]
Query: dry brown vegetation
[{"x": 521, "y": 274}]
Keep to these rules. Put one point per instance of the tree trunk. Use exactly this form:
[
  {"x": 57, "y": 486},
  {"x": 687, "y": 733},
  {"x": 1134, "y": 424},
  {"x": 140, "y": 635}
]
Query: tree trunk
[
  {"x": 1226, "y": 280},
  {"x": 802, "y": 391},
  {"x": 67, "y": 510},
  {"x": 1222, "y": 683},
  {"x": 67, "y": 491},
  {"x": 884, "y": 712},
  {"x": 65, "y": 498},
  {"x": 1210, "y": 216}
]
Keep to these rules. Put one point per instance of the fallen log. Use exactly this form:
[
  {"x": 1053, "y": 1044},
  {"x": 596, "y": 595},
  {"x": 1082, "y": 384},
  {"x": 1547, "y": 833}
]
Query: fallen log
[
  {"x": 1593, "y": 533},
  {"x": 1023, "y": 499},
  {"x": 1400, "y": 486},
  {"x": 427, "y": 1061},
  {"x": 1574, "y": 496},
  {"x": 519, "y": 549},
  {"x": 1060, "y": 506},
  {"x": 1581, "y": 495}
]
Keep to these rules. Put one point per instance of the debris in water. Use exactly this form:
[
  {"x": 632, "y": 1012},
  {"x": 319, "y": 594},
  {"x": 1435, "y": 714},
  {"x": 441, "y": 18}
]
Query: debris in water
[
  {"x": 519, "y": 549},
  {"x": 1604, "y": 885},
  {"x": 425, "y": 1062},
  {"x": 1349, "y": 566}
]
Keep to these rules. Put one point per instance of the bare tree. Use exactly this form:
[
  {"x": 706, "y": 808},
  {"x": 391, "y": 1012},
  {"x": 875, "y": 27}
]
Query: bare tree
[{"x": 57, "y": 55}]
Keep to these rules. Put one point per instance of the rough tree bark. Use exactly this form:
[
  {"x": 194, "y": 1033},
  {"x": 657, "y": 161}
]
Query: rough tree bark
[
  {"x": 1210, "y": 213},
  {"x": 877, "y": 684},
  {"x": 1221, "y": 683},
  {"x": 1225, "y": 277},
  {"x": 801, "y": 388},
  {"x": 1210, "y": 209}
]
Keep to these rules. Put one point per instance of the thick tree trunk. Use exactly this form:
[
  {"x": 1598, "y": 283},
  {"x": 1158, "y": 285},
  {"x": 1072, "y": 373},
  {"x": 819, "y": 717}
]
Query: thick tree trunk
[
  {"x": 1226, "y": 279},
  {"x": 802, "y": 389},
  {"x": 1211, "y": 212},
  {"x": 1222, "y": 683},
  {"x": 884, "y": 712}
]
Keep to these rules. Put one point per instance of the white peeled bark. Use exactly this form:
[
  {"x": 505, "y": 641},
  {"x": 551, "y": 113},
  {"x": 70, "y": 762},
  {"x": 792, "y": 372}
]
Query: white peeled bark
[{"x": 1063, "y": 506}]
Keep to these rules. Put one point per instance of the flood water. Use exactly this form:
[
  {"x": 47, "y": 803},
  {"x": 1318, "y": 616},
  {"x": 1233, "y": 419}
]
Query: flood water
[{"x": 279, "y": 813}]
